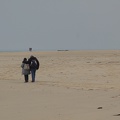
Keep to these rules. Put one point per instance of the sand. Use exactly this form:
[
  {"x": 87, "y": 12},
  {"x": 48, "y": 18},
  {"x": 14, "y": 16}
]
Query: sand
[{"x": 70, "y": 85}]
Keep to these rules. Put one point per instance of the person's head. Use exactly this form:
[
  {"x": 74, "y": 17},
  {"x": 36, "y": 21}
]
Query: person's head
[
  {"x": 25, "y": 59},
  {"x": 31, "y": 56}
]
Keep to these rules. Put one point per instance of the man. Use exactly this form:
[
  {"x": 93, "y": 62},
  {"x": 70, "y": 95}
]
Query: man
[{"x": 34, "y": 65}]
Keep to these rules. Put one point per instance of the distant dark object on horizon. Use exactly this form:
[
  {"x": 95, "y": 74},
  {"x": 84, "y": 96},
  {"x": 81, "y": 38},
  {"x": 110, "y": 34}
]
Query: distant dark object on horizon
[
  {"x": 62, "y": 50},
  {"x": 30, "y": 49}
]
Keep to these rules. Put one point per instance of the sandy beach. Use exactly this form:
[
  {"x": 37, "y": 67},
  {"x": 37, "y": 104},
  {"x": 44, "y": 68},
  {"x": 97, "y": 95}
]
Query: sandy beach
[{"x": 70, "y": 85}]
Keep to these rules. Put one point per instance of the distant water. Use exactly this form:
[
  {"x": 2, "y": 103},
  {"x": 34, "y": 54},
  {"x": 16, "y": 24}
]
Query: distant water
[
  {"x": 24, "y": 50},
  {"x": 13, "y": 51},
  {"x": 38, "y": 49},
  {"x": 33, "y": 50}
]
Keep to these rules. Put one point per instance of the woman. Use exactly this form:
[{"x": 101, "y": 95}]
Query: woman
[{"x": 25, "y": 69}]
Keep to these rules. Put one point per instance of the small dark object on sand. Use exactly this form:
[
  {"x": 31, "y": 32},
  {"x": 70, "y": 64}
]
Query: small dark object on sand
[
  {"x": 117, "y": 115},
  {"x": 99, "y": 108}
]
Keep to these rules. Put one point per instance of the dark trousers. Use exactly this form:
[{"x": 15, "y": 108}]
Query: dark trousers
[
  {"x": 33, "y": 73},
  {"x": 26, "y": 78}
]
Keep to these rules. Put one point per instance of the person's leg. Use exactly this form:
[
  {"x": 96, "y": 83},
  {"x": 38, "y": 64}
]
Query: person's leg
[
  {"x": 26, "y": 78},
  {"x": 33, "y": 75}
]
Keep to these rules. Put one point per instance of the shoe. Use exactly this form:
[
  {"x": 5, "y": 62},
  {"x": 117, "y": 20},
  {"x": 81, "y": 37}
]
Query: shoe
[
  {"x": 25, "y": 81},
  {"x": 32, "y": 81}
]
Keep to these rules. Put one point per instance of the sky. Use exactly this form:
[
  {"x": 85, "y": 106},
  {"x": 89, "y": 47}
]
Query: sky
[{"x": 59, "y": 24}]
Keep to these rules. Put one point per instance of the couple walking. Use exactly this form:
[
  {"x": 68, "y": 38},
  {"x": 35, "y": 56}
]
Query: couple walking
[{"x": 29, "y": 67}]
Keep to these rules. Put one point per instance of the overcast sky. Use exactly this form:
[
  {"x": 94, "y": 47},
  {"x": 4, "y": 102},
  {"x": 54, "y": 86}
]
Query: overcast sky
[{"x": 59, "y": 24}]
